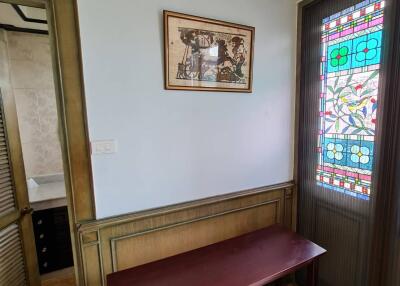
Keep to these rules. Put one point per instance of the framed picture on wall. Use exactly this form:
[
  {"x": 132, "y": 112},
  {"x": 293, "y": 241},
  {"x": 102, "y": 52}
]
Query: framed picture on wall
[{"x": 206, "y": 54}]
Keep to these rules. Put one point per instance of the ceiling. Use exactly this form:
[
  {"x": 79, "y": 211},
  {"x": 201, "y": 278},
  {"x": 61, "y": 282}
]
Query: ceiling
[{"x": 23, "y": 17}]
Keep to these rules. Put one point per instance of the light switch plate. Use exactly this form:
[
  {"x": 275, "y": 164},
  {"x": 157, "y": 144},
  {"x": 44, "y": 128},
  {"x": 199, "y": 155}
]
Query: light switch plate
[{"x": 104, "y": 147}]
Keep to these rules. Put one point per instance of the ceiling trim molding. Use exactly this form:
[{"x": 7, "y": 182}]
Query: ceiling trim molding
[
  {"x": 24, "y": 17},
  {"x": 23, "y": 30}
]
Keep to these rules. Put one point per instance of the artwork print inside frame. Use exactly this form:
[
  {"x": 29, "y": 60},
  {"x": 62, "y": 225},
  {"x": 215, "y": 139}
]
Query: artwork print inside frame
[{"x": 205, "y": 54}]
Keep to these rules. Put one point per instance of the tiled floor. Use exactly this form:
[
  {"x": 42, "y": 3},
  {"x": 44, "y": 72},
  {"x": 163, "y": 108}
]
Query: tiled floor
[{"x": 63, "y": 277}]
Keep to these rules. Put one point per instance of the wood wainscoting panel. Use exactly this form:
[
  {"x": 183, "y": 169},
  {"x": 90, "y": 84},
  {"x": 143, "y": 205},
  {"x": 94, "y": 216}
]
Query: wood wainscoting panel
[
  {"x": 126, "y": 241},
  {"x": 91, "y": 256},
  {"x": 92, "y": 265},
  {"x": 290, "y": 217},
  {"x": 135, "y": 249}
]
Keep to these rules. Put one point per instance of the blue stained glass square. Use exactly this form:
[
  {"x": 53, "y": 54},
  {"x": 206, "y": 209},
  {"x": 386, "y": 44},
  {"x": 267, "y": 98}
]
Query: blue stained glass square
[
  {"x": 367, "y": 50},
  {"x": 360, "y": 154},
  {"x": 335, "y": 151},
  {"x": 376, "y": 59},
  {"x": 357, "y": 54}
]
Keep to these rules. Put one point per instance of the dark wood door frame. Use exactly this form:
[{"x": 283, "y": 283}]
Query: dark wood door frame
[
  {"x": 386, "y": 140},
  {"x": 386, "y": 226}
]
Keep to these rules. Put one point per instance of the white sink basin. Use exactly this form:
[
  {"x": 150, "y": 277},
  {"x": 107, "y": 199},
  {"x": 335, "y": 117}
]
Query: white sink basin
[{"x": 46, "y": 188}]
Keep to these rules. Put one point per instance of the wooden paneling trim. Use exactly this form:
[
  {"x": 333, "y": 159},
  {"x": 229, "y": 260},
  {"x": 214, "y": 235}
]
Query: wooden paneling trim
[
  {"x": 90, "y": 237},
  {"x": 102, "y": 223},
  {"x": 91, "y": 258},
  {"x": 290, "y": 203},
  {"x": 277, "y": 204},
  {"x": 31, "y": 3},
  {"x": 120, "y": 242}
]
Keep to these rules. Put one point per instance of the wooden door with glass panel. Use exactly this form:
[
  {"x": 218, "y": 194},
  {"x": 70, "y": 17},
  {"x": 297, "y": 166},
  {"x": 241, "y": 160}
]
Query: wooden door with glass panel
[{"x": 18, "y": 262}]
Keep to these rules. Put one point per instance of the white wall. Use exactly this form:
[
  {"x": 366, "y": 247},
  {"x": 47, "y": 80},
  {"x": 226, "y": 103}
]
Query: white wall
[{"x": 176, "y": 146}]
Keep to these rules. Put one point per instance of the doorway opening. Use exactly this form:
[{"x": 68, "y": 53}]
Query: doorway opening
[{"x": 26, "y": 74}]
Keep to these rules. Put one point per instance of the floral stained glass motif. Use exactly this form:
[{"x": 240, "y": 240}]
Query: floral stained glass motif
[{"x": 350, "y": 64}]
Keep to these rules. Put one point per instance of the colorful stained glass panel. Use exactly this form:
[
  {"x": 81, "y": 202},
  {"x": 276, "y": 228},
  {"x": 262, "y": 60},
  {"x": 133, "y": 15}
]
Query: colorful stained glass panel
[
  {"x": 359, "y": 52},
  {"x": 350, "y": 63},
  {"x": 351, "y": 103}
]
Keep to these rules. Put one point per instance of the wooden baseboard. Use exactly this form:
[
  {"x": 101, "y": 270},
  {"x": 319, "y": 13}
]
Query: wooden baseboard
[{"x": 126, "y": 241}]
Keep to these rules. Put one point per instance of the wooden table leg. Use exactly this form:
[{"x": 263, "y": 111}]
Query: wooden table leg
[{"x": 312, "y": 273}]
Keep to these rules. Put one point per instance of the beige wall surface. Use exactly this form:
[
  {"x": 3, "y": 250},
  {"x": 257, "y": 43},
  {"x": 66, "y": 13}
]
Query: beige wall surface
[{"x": 26, "y": 71}]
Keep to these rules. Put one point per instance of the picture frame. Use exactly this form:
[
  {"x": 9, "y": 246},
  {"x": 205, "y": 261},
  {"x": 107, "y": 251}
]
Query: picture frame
[{"x": 207, "y": 55}]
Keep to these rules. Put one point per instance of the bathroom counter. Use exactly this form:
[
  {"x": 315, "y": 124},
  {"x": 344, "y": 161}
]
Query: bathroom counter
[{"x": 48, "y": 195}]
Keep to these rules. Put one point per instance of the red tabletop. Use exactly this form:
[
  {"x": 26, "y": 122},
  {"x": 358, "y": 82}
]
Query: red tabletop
[{"x": 255, "y": 258}]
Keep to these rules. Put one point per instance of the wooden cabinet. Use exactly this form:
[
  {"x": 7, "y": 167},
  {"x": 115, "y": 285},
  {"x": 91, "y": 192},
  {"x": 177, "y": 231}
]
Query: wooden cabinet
[{"x": 53, "y": 241}]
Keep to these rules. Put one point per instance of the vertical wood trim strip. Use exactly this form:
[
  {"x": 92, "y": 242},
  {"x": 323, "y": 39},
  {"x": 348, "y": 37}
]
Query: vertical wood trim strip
[
  {"x": 300, "y": 7},
  {"x": 386, "y": 220},
  {"x": 72, "y": 107},
  {"x": 68, "y": 76},
  {"x": 87, "y": 241}
]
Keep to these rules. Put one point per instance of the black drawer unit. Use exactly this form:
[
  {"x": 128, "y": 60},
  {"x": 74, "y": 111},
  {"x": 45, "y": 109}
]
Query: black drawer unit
[{"x": 53, "y": 240}]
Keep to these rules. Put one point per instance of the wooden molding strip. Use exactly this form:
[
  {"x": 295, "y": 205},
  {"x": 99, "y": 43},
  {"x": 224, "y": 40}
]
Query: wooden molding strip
[
  {"x": 106, "y": 222},
  {"x": 64, "y": 29},
  {"x": 32, "y": 3}
]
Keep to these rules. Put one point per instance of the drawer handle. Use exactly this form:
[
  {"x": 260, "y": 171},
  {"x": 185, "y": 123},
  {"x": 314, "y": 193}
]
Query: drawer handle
[
  {"x": 41, "y": 236},
  {"x": 44, "y": 249},
  {"x": 45, "y": 265},
  {"x": 39, "y": 222}
]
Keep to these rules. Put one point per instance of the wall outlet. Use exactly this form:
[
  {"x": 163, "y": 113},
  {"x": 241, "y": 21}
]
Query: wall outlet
[{"x": 103, "y": 147}]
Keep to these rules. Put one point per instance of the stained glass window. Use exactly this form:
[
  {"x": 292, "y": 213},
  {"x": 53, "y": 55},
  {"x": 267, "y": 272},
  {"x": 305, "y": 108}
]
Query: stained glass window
[{"x": 351, "y": 55}]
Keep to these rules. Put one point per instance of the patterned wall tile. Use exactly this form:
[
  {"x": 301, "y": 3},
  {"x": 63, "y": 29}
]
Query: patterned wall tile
[
  {"x": 30, "y": 47},
  {"x": 33, "y": 87},
  {"x": 42, "y": 158},
  {"x": 30, "y": 74}
]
